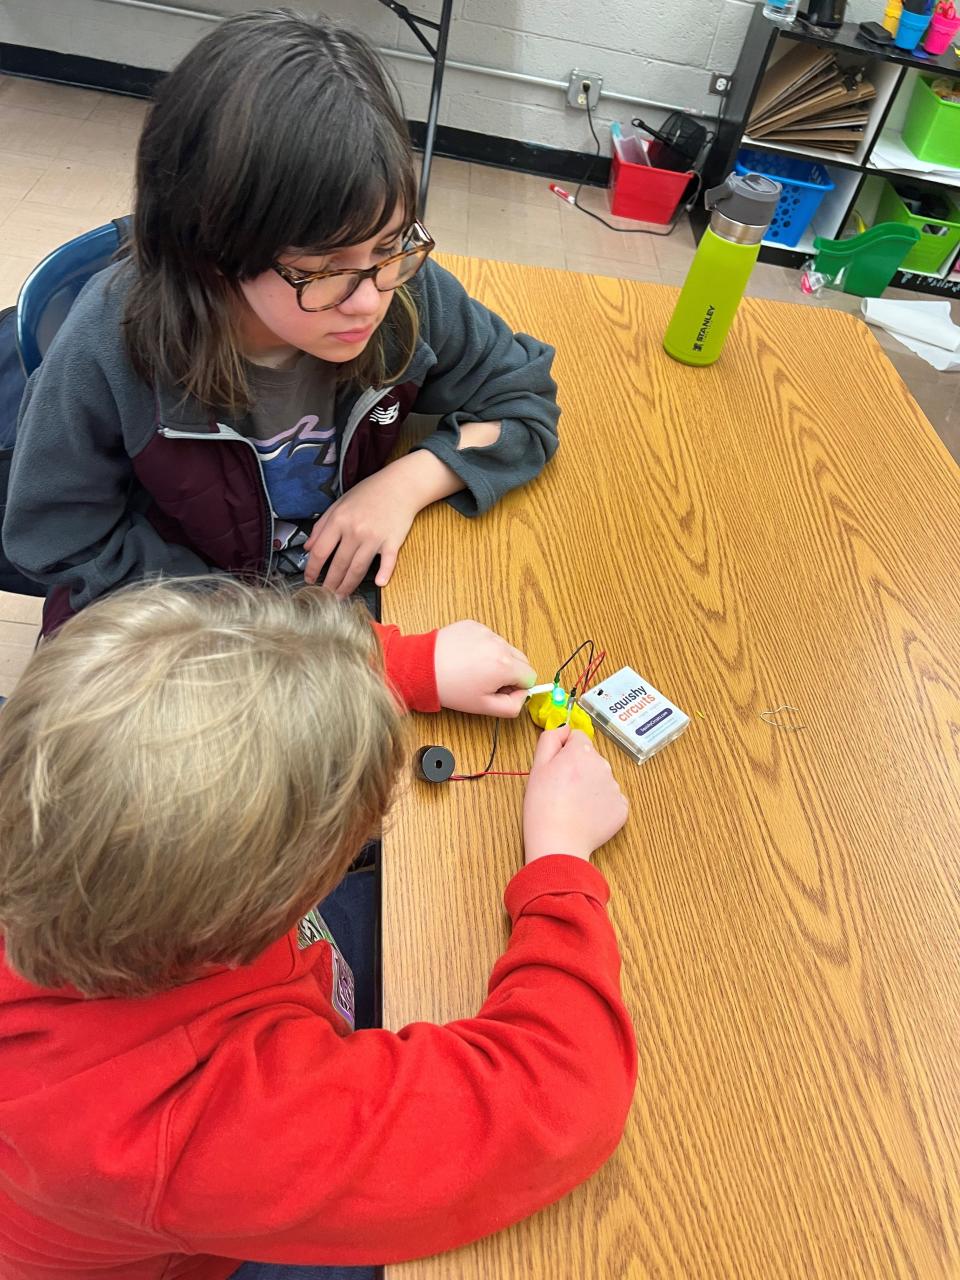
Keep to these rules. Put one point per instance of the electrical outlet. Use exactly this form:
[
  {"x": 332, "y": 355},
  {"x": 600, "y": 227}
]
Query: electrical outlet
[
  {"x": 583, "y": 89},
  {"x": 720, "y": 84}
]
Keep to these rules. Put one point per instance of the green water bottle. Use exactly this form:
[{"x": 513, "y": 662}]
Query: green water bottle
[{"x": 742, "y": 208}]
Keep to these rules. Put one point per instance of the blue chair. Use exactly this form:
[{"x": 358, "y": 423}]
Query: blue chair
[
  {"x": 51, "y": 289},
  {"x": 46, "y": 296}
]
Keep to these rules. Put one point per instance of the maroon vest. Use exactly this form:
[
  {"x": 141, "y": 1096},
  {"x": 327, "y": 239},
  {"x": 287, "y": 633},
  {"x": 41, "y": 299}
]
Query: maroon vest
[{"x": 208, "y": 495}]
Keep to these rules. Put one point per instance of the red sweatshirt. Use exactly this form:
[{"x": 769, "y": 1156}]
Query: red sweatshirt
[{"x": 236, "y": 1117}]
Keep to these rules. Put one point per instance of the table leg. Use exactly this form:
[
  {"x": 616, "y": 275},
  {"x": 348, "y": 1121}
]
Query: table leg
[{"x": 439, "y": 62}]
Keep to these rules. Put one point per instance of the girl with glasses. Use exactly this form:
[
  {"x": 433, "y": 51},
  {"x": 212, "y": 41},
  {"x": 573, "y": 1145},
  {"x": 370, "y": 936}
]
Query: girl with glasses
[{"x": 229, "y": 394}]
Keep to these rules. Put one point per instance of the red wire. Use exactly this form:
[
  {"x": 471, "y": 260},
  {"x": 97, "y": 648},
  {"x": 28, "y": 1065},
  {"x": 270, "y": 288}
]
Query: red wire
[
  {"x": 601, "y": 658},
  {"x": 492, "y": 773},
  {"x": 589, "y": 672}
]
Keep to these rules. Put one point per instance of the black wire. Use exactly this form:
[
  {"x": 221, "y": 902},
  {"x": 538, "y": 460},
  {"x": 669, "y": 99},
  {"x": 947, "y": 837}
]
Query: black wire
[
  {"x": 587, "y": 644},
  {"x": 627, "y": 231},
  {"x": 472, "y": 777}
]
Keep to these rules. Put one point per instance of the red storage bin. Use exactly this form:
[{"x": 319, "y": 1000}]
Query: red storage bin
[{"x": 640, "y": 191}]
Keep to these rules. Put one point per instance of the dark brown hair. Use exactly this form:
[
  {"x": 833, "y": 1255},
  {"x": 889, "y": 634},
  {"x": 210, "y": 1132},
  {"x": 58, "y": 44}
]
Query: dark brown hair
[{"x": 275, "y": 132}]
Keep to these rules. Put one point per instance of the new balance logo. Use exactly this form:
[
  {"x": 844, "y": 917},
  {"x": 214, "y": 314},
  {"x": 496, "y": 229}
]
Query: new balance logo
[{"x": 384, "y": 415}]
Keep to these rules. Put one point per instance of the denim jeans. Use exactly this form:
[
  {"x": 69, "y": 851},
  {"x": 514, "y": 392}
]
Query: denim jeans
[{"x": 350, "y": 913}]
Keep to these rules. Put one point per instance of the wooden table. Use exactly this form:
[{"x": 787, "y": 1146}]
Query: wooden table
[{"x": 781, "y": 528}]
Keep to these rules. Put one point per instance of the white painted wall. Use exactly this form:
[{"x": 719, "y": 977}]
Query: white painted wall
[{"x": 655, "y": 49}]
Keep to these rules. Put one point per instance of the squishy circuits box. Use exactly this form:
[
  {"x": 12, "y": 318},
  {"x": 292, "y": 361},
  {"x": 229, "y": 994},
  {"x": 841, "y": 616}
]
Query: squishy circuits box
[{"x": 629, "y": 710}]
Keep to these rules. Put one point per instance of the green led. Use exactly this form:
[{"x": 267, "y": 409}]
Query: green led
[{"x": 558, "y": 696}]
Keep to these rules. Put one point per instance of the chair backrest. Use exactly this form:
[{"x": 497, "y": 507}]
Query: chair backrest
[
  {"x": 51, "y": 289},
  {"x": 12, "y": 382}
]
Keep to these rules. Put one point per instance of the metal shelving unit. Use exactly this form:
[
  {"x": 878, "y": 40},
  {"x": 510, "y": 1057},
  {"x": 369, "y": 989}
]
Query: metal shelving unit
[{"x": 893, "y": 72}]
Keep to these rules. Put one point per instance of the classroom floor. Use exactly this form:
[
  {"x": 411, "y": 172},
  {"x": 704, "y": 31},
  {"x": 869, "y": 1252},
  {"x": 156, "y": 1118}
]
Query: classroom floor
[{"x": 66, "y": 165}]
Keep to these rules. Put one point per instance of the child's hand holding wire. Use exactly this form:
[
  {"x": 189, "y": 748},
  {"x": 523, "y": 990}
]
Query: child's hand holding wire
[
  {"x": 573, "y": 803},
  {"x": 480, "y": 672}
]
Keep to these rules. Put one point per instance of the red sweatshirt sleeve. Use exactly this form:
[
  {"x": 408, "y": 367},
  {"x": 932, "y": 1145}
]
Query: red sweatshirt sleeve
[
  {"x": 410, "y": 667},
  {"x": 383, "y": 1146}
]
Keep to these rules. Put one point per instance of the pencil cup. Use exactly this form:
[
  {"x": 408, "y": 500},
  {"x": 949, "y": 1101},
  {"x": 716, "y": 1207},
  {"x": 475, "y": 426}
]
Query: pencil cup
[
  {"x": 909, "y": 29},
  {"x": 941, "y": 33}
]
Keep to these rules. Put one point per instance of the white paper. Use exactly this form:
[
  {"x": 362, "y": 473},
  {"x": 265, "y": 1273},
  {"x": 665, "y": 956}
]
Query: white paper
[
  {"x": 924, "y": 327},
  {"x": 891, "y": 152}
]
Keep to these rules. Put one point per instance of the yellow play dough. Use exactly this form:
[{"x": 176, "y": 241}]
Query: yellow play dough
[{"x": 547, "y": 715}]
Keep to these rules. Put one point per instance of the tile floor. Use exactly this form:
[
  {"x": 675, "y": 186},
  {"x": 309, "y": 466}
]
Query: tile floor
[{"x": 66, "y": 165}]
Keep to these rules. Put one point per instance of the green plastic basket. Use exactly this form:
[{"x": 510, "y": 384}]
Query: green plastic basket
[
  {"x": 865, "y": 264},
  {"x": 930, "y": 252},
  {"x": 932, "y": 127}
]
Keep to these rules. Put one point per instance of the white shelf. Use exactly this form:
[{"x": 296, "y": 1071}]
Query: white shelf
[
  {"x": 829, "y": 219},
  {"x": 804, "y": 245},
  {"x": 804, "y": 153},
  {"x": 942, "y": 274},
  {"x": 884, "y": 75},
  {"x": 902, "y": 161},
  {"x": 861, "y": 168}
]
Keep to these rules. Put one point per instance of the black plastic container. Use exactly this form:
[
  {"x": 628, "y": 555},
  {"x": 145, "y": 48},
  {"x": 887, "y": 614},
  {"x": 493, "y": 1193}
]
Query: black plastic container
[{"x": 824, "y": 13}]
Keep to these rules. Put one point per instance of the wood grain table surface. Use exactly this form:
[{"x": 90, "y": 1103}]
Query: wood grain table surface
[{"x": 783, "y": 527}]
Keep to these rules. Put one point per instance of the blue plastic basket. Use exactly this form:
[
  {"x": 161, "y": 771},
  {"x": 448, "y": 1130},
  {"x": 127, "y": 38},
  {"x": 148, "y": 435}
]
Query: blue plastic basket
[{"x": 804, "y": 183}]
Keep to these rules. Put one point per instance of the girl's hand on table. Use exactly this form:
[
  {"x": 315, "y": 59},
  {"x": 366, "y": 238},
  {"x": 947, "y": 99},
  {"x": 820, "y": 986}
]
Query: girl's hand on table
[{"x": 371, "y": 519}]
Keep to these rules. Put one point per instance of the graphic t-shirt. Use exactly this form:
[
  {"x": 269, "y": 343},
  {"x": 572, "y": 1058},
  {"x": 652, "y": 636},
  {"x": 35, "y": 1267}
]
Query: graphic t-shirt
[
  {"x": 292, "y": 428},
  {"x": 313, "y": 928}
]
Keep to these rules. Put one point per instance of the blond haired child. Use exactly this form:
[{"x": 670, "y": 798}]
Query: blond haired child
[{"x": 184, "y": 774}]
